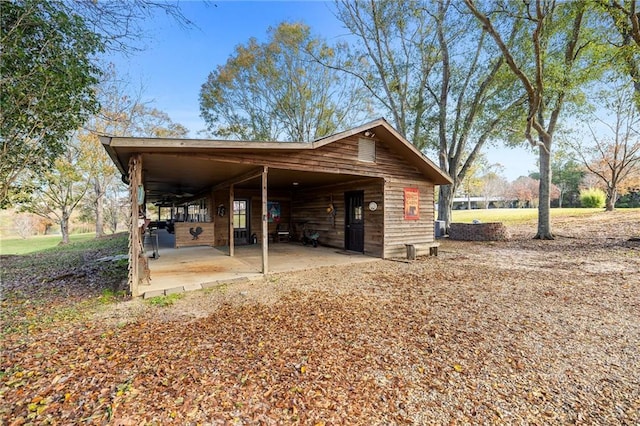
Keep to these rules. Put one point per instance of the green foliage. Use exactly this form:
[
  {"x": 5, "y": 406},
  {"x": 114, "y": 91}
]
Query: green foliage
[
  {"x": 278, "y": 90},
  {"x": 122, "y": 113},
  {"x": 555, "y": 62},
  {"x": 164, "y": 301},
  {"x": 629, "y": 200},
  {"x": 593, "y": 198},
  {"x": 19, "y": 246},
  {"x": 621, "y": 46},
  {"x": 46, "y": 79},
  {"x": 109, "y": 296},
  {"x": 71, "y": 255},
  {"x": 439, "y": 79},
  {"x": 566, "y": 174},
  {"x": 60, "y": 189}
]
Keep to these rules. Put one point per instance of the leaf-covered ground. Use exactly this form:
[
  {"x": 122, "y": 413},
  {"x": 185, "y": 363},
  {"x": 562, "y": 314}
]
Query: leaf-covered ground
[{"x": 517, "y": 332}]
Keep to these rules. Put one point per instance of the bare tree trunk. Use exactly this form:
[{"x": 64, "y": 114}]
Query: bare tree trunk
[
  {"x": 544, "y": 205},
  {"x": 561, "y": 195},
  {"x": 64, "y": 227},
  {"x": 99, "y": 207},
  {"x": 612, "y": 197},
  {"x": 445, "y": 204}
]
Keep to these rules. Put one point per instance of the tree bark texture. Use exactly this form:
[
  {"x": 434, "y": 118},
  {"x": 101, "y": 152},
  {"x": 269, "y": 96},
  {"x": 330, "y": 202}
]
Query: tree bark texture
[
  {"x": 64, "y": 226},
  {"x": 612, "y": 197},
  {"x": 544, "y": 201},
  {"x": 99, "y": 207},
  {"x": 445, "y": 204}
]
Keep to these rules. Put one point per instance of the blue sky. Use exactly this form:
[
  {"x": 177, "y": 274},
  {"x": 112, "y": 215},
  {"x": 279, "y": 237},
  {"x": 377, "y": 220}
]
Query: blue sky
[{"x": 176, "y": 61}]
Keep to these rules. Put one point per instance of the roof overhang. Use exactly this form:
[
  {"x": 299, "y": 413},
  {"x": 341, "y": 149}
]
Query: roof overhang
[{"x": 175, "y": 170}]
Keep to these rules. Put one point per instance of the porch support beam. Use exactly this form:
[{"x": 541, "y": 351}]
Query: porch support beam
[
  {"x": 343, "y": 184},
  {"x": 265, "y": 223},
  {"x": 231, "y": 242},
  {"x": 251, "y": 174},
  {"x": 137, "y": 261}
]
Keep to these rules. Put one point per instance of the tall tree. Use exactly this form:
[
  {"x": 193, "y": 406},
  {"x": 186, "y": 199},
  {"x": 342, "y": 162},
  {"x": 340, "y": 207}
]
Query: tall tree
[
  {"x": 120, "y": 23},
  {"x": 430, "y": 67},
  {"x": 566, "y": 174},
  {"x": 277, "y": 91},
  {"x": 122, "y": 113},
  {"x": 493, "y": 184},
  {"x": 613, "y": 152},
  {"x": 550, "y": 70},
  {"x": 46, "y": 79},
  {"x": 393, "y": 59},
  {"x": 625, "y": 17},
  {"x": 60, "y": 189},
  {"x": 525, "y": 191}
]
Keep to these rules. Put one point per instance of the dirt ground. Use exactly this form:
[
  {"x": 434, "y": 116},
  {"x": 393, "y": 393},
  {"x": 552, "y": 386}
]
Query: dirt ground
[{"x": 515, "y": 332}]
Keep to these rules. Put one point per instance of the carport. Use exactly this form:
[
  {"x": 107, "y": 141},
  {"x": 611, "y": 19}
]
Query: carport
[{"x": 365, "y": 190}]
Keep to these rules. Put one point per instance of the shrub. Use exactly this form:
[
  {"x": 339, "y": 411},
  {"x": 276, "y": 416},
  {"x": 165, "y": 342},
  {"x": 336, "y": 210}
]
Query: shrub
[{"x": 592, "y": 198}]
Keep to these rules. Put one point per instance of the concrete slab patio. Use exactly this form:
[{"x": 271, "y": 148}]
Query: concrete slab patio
[{"x": 195, "y": 268}]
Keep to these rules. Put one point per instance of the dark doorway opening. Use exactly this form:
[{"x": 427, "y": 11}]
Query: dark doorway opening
[{"x": 354, "y": 221}]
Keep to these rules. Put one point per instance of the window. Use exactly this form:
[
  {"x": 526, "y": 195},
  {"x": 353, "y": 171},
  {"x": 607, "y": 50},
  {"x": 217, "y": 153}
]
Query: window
[
  {"x": 357, "y": 213},
  {"x": 193, "y": 211},
  {"x": 367, "y": 150},
  {"x": 240, "y": 214}
]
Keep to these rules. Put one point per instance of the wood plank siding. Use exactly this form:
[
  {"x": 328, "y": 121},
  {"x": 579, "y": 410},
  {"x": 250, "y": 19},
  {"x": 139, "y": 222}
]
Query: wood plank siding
[
  {"x": 184, "y": 237},
  {"x": 386, "y": 230},
  {"x": 310, "y": 208},
  {"x": 400, "y": 231}
]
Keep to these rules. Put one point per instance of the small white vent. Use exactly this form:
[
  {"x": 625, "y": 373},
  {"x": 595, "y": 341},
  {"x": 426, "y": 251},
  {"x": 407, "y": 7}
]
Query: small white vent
[{"x": 367, "y": 150}]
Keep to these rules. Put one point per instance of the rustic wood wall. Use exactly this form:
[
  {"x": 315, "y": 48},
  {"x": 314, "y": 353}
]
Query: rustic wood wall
[
  {"x": 221, "y": 228},
  {"x": 400, "y": 231},
  {"x": 337, "y": 157},
  {"x": 185, "y": 239},
  {"x": 386, "y": 230},
  {"x": 311, "y": 207}
]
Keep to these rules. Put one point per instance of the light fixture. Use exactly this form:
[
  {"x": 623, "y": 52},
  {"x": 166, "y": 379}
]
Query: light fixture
[
  {"x": 369, "y": 134},
  {"x": 296, "y": 183}
]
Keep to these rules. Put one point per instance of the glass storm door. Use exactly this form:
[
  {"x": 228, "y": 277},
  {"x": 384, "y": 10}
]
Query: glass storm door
[{"x": 241, "y": 222}]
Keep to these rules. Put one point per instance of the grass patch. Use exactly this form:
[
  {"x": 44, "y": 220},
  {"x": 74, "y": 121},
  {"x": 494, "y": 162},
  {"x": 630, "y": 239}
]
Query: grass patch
[
  {"x": 221, "y": 288},
  {"x": 164, "y": 301},
  {"x": 518, "y": 216},
  {"x": 53, "y": 260},
  {"x": 17, "y": 245},
  {"x": 109, "y": 296}
]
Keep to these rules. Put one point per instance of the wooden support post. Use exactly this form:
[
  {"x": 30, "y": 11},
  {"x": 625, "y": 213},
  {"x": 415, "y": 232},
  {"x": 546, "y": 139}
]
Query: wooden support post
[
  {"x": 136, "y": 258},
  {"x": 265, "y": 223},
  {"x": 231, "y": 242}
]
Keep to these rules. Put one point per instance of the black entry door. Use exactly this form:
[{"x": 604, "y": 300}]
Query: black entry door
[{"x": 354, "y": 221}]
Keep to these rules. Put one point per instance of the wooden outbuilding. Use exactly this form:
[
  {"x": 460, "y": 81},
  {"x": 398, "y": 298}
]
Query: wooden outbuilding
[{"x": 365, "y": 190}]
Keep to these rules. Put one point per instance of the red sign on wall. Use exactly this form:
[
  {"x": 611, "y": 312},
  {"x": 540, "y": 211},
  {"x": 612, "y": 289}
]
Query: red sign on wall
[{"x": 411, "y": 204}]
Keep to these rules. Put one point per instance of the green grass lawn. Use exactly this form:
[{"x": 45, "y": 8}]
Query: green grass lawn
[
  {"x": 518, "y": 216},
  {"x": 17, "y": 245}
]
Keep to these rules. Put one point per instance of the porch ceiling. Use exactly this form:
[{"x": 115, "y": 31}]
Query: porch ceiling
[{"x": 175, "y": 179}]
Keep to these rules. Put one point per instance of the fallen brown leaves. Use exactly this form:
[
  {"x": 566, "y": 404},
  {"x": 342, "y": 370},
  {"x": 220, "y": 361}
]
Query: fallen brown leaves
[{"x": 520, "y": 332}]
